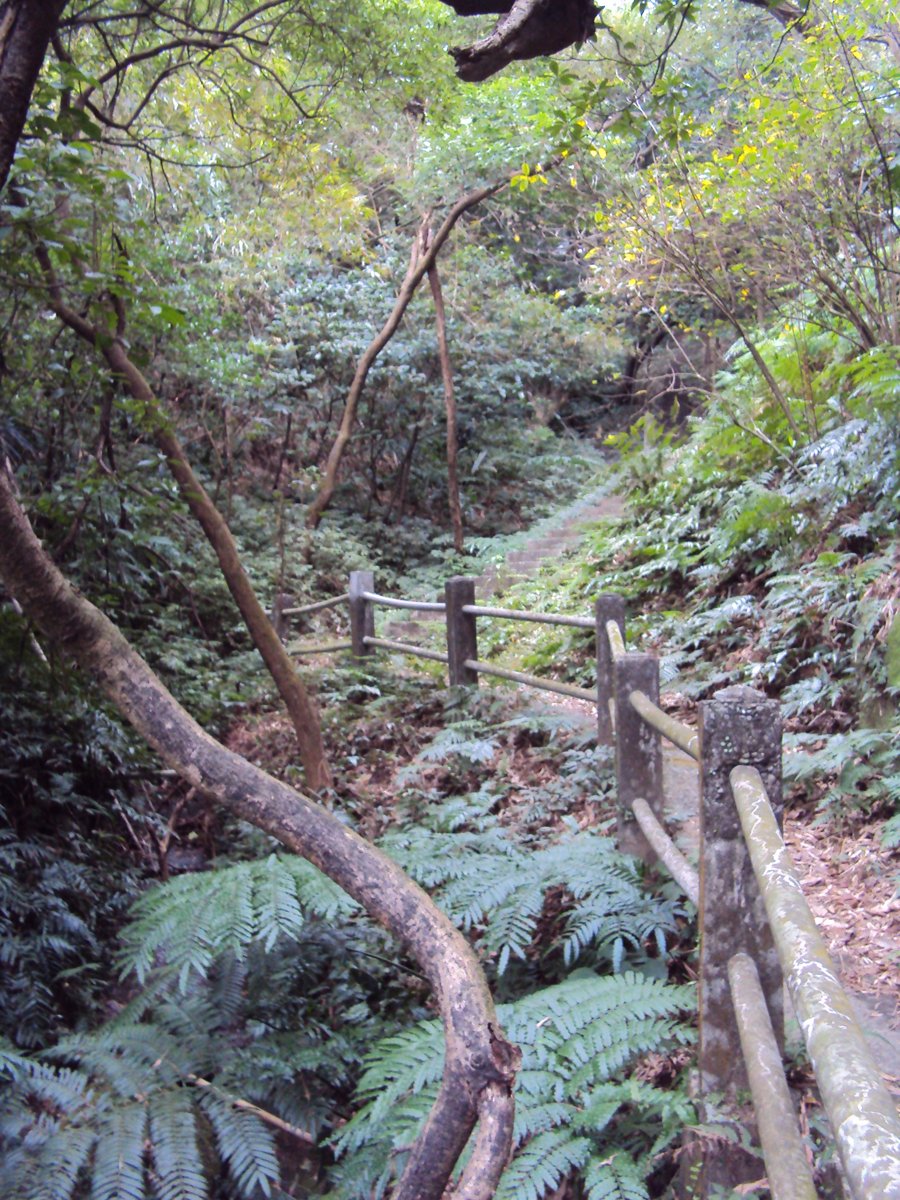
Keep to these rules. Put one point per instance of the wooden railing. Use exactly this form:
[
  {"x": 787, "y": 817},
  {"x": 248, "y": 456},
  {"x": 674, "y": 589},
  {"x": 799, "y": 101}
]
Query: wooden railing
[{"x": 756, "y": 929}]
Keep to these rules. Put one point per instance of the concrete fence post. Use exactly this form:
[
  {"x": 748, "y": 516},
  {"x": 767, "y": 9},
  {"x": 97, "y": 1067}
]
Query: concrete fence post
[
  {"x": 462, "y": 637},
  {"x": 608, "y": 607},
  {"x": 638, "y": 751},
  {"x": 738, "y": 726},
  {"x": 362, "y": 612}
]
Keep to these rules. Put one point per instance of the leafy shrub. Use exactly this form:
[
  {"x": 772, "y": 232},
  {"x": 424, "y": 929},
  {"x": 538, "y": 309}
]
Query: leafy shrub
[{"x": 68, "y": 865}]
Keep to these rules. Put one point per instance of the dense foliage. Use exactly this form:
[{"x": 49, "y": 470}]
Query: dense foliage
[
  {"x": 261, "y": 983},
  {"x": 694, "y": 254}
]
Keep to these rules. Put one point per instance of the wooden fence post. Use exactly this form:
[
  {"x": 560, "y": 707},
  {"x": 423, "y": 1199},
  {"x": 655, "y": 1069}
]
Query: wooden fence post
[
  {"x": 462, "y": 638},
  {"x": 737, "y": 726},
  {"x": 362, "y": 614},
  {"x": 609, "y": 607},
  {"x": 638, "y": 751}
]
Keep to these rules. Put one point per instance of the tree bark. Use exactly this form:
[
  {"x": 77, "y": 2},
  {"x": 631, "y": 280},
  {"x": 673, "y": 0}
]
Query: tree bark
[
  {"x": 456, "y": 520},
  {"x": 479, "y": 1065},
  {"x": 528, "y": 29},
  {"x": 422, "y": 256},
  {"x": 533, "y": 28},
  {"x": 26, "y": 27},
  {"x": 300, "y": 707}
]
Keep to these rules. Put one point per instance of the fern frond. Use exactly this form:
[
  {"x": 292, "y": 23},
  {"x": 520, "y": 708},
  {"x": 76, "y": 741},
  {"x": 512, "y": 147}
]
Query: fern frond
[
  {"x": 118, "y": 1171},
  {"x": 615, "y": 1178},
  {"x": 128, "y": 1057},
  {"x": 458, "y": 740},
  {"x": 61, "y": 1089},
  {"x": 486, "y": 879},
  {"x": 64, "y": 1157},
  {"x": 403, "y": 1063},
  {"x": 543, "y": 1164},
  {"x": 173, "y": 1132},
  {"x": 278, "y": 911},
  {"x": 245, "y": 1144},
  {"x": 191, "y": 920},
  {"x": 539, "y": 1118}
]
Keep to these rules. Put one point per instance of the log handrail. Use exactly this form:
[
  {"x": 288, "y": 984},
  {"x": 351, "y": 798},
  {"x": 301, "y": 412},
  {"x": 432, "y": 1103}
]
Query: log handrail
[
  {"x": 398, "y": 602},
  {"x": 331, "y": 602},
  {"x": 740, "y": 971},
  {"x": 406, "y": 648},
  {"x": 862, "y": 1113},
  {"x": 681, "y": 735},
  {"x": 787, "y": 1167},
  {"x": 544, "y": 685},
  {"x": 517, "y": 614}
]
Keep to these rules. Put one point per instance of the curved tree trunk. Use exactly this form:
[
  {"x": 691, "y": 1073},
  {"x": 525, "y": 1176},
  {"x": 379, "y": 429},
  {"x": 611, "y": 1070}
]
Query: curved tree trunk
[
  {"x": 424, "y": 253},
  {"x": 297, "y": 701},
  {"x": 456, "y": 520},
  {"x": 26, "y": 27},
  {"x": 479, "y": 1066}
]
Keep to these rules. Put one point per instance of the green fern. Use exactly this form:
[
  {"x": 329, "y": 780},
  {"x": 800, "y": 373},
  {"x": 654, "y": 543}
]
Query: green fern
[
  {"x": 543, "y": 1163},
  {"x": 194, "y": 919},
  {"x": 119, "y": 1154},
  {"x": 459, "y": 740},
  {"x": 88, "y": 1123},
  {"x": 487, "y": 882},
  {"x": 615, "y": 1178},
  {"x": 576, "y": 1039},
  {"x": 245, "y": 1144},
  {"x": 176, "y": 1158}
]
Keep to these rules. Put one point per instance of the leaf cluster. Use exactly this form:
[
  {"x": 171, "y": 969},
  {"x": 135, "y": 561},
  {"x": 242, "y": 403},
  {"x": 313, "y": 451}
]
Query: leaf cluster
[{"x": 576, "y": 1116}]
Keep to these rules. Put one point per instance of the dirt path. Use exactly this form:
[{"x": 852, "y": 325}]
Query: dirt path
[{"x": 848, "y": 877}]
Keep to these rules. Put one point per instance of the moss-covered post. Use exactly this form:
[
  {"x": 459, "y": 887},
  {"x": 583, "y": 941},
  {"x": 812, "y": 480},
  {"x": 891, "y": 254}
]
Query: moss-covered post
[
  {"x": 638, "y": 751},
  {"x": 462, "y": 636},
  {"x": 362, "y": 614},
  {"x": 608, "y": 607},
  {"x": 738, "y": 726}
]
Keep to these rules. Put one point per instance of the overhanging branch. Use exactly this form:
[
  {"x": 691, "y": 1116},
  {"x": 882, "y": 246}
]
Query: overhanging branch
[{"x": 526, "y": 29}]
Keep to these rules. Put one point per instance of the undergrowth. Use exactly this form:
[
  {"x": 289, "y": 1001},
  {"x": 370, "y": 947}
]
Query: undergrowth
[
  {"x": 760, "y": 561},
  {"x": 257, "y": 993}
]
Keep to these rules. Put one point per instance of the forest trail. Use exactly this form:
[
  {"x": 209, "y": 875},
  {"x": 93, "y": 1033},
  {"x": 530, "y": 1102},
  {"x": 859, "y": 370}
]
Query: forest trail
[
  {"x": 845, "y": 879},
  {"x": 548, "y": 540}
]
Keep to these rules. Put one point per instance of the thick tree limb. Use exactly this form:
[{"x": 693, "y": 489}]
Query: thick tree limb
[
  {"x": 479, "y": 1065},
  {"x": 26, "y": 27},
  {"x": 784, "y": 11},
  {"x": 528, "y": 29},
  {"x": 533, "y": 28}
]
